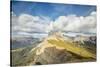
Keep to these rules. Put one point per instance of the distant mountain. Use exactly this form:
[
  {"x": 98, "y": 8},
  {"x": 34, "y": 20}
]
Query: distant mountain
[
  {"x": 88, "y": 42},
  {"x": 20, "y": 42}
]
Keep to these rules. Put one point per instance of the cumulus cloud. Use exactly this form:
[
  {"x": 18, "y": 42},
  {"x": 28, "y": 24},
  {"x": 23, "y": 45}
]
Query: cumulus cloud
[
  {"x": 26, "y": 24},
  {"x": 75, "y": 23},
  {"x": 29, "y": 24}
]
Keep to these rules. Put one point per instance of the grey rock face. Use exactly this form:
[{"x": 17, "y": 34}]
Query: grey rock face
[{"x": 52, "y": 55}]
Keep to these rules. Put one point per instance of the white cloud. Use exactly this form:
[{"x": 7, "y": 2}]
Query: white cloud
[
  {"x": 27, "y": 24},
  {"x": 75, "y": 23}
]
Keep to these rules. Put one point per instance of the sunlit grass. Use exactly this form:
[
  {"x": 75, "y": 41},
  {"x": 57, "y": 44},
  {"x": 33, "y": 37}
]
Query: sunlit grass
[{"x": 69, "y": 46}]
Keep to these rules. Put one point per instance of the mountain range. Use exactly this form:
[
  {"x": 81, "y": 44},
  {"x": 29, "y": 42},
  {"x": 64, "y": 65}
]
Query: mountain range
[{"x": 55, "y": 49}]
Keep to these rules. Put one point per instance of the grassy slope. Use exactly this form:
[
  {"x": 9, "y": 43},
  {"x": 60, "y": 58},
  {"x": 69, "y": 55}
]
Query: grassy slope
[{"x": 72, "y": 48}]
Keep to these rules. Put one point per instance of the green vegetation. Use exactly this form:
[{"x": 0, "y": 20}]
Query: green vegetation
[{"x": 72, "y": 48}]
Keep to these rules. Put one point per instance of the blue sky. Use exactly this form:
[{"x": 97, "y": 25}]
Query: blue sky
[
  {"x": 51, "y": 10},
  {"x": 29, "y": 18}
]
